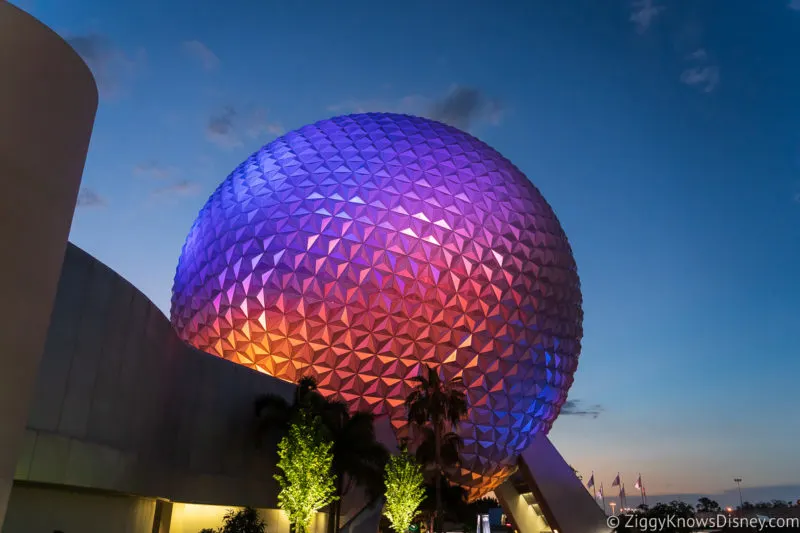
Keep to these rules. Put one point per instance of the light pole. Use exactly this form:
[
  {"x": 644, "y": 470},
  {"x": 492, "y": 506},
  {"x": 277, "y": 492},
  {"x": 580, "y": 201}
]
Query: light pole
[
  {"x": 738, "y": 482},
  {"x": 613, "y": 506}
]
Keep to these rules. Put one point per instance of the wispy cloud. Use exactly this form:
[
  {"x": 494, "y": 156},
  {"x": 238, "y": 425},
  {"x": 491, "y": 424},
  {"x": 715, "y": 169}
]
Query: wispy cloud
[
  {"x": 698, "y": 55},
  {"x": 704, "y": 78},
  {"x": 644, "y": 13},
  {"x": 113, "y": 68},
  {"x": 229, "y": 128},
  {"x": 202, "y": 54},
  {"x": 179, "y": 188},
  {"x": 576, "y": 408},
  {"x": 258, "y": 124},
  {"x": 412, "y": 104},
  {"x": 89, "y": 198},
  {"x": 794, "y": 5},
  {"x": 220, "y": 128},
  {"x": 155, "y": 170},
  {"x": 703, "y": 74},
  {"x": 170, "y": 186},
  {"x": 461, "y": 106}
]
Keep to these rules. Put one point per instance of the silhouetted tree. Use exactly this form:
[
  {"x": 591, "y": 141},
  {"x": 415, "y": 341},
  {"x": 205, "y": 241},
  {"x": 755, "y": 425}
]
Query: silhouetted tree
[
  {"x": 454, "y": 502},
  {"x": 438, "y": 405},
  {"x": 470, "y": 512},
  {"x": 482, "y": 505},
  {"x": 244, "y": 520},
  {"x": 358, "y": 457},
  {"x": 707, "y": 505},
  {"x": 659, "y": 515},
  {"x": 274, "y": 414},
  {"x": 449, "y": 449}
]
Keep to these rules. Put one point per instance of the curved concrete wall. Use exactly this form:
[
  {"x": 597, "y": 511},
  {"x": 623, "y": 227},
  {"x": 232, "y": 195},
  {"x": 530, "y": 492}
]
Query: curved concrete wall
[
  {"x": 122, "y": 404},
  {"x": 48, "y": 100},
  {"x": 33, "y": 508}
]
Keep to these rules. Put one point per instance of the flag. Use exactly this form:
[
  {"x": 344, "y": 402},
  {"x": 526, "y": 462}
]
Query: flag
[
  {"x": 638, "y": 485},
  {"x": 616, "y": 481},
  {"x": 622, "y": 493},
  {"x": 590, "y": 484},
  {"x": 600, "y": 492}
]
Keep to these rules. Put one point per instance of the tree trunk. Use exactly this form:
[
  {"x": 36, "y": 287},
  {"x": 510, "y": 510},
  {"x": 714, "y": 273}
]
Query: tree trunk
[
  {"x": 331, "y": 517},
  {"x": 439, "y": 517},
  {"x": 338, "y": 510},
  {"x": 336, "y": 506}
]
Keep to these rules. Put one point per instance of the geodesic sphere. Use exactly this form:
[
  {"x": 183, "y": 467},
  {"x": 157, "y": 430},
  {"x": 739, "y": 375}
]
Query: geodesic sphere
[{"x": 359, "y": 248}]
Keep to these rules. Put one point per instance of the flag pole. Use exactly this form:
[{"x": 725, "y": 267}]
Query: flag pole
[
  {"x": 641, "y": 487},
  {"x": 624, "y": 496},
  {"x": 591, "y": 485},
  {"x": 603, "y": 497}
]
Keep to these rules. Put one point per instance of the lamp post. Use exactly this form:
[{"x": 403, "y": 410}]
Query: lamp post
[
  {"x": 613, "y": 506},
  {"x": 738, "y": 482}
]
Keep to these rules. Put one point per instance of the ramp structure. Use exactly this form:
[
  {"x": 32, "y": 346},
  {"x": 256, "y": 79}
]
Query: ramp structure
[{"x": 546, "y": 496}]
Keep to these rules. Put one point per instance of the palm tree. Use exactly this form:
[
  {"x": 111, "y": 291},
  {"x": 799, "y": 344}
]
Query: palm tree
[
  {"x": 450, "y": 457},
  {"x": 437, "y": 405},
  {"x": 273, "y": 412},
  {"x": 454, "y": 498},
  {"x": 450, "y": 448},
  {"x": 358, "y": 458}
]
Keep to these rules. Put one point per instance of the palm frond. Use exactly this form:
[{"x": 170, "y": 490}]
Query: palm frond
[
  {"x": 451, "y": 444},
  {"x": 305, "y": 385},
  {"x": 270, "y": 402}
]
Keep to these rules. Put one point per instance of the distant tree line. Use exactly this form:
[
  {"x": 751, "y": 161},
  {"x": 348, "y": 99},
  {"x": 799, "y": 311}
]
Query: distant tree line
[
  {"x": 660, "y": 513},
  {"x": 774, "y": 504}
]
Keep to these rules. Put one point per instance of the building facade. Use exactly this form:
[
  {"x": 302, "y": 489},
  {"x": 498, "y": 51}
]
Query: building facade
[
  {"x": 129, "y": 425},
  {"x": 48, "y": 100}
]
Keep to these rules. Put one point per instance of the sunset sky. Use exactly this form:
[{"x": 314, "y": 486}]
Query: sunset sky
[{"x": 666, "y": 136}]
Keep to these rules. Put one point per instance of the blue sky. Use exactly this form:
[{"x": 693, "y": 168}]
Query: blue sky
[{"x": 666, "y": 135}]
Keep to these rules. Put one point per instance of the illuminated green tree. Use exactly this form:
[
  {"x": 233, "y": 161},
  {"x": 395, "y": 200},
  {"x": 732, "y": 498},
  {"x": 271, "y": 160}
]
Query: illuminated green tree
[
  {"x": 358, "y": 457},
  {"x": 404, "y": 490},
  {"x": 305, "y": 460}
]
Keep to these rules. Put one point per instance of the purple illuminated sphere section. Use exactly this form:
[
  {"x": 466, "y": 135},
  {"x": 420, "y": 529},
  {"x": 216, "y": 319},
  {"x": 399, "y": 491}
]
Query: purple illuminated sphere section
[{"x": 359, "y": 248}]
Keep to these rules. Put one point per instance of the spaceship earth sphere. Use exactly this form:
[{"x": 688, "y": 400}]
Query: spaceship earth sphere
[{"x": 362, "y": 247}]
